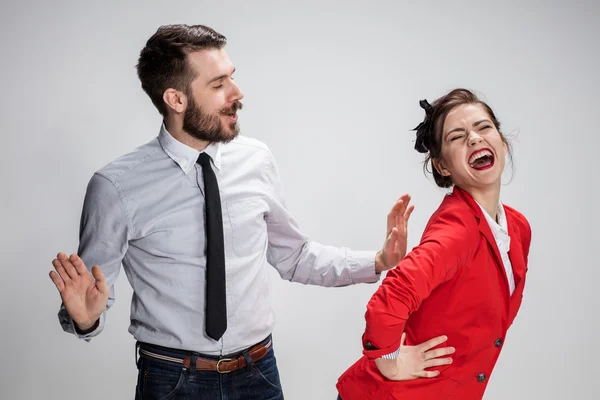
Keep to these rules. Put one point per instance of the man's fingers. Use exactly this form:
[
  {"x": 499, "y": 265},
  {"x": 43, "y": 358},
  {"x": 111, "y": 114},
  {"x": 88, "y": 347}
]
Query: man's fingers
[
  {"x": 403, "y": 215},
  {"x": 67, "y": 265},
  {"x": 432, "y": 343},
  {"x": 405, "y": 198},
  {"x": 393, "y": 215},
  {"x": 404, "y": 203},
  {"x": 400, "y": 207},
  {"x": 101, "y": 283},
  {"x": 400, "y": 244},
  {"x": 60, "y": 285},
  {"x": 61, "y": 270},
  {"x": 426, "y": 374},
  {"x": 391, "y": 245},
  {"x": 436, "y": 362},
  {"x": 78, "y": 264},
  {"x": 444, "y": 351},
  {"x": 408, "y": 212},
  {"x": 402, "y": 219}
]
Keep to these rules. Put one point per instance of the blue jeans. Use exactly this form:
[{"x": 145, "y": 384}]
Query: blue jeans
[{"x": 158, "y": 379}]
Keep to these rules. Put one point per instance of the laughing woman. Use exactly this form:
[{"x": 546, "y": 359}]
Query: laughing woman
[{"x": 465, "y": 279}]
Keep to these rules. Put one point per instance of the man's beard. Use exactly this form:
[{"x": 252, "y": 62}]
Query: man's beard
[{"x": 205, "y": 127}]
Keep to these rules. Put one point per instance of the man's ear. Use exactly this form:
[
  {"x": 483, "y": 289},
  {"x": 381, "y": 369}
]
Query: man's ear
[{"x": 175, "y": 100}]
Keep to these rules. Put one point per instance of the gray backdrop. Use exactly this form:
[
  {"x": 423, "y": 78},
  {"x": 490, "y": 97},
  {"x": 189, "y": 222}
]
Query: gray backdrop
[{"x": 333, "y": 89}]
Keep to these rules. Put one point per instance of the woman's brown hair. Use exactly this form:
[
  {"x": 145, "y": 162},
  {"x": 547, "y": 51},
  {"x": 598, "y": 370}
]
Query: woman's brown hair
[{"x": 429, "y": 132}]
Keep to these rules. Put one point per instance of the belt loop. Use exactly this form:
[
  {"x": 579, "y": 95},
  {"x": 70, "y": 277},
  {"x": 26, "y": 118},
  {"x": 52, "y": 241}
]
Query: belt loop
[
  {"x": 192, "y": 371},
  {"x": 193, "y": 363},
  {"x": 136, "y": 357},
  {"x": 246, "y": 355}
]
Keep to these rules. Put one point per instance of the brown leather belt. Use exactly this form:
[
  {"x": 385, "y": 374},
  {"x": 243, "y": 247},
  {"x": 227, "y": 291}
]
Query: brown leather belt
[{"x": 222, "y": 365}]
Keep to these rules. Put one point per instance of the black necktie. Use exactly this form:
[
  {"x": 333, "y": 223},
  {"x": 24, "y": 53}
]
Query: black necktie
[{"x": 216, "y": 310}]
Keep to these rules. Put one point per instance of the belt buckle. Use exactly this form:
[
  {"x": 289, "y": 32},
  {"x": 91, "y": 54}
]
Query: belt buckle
[{"x": 219, "y": 363}]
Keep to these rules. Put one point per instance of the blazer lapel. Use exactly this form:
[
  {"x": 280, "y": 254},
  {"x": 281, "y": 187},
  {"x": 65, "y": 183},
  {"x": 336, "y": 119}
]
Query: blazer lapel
[
  {"x": 516, "y": 250},
  {"x": 485, "y": 229}
]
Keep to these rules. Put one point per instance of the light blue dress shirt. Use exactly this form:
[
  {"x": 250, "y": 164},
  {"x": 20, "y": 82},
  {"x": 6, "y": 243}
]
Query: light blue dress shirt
[{"x": 145, "y": 211}]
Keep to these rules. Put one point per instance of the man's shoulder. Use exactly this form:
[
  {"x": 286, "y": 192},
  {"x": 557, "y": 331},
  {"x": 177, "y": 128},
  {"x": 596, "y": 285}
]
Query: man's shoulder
[
  {"x": 127, "y": 163},
  {"x": 248, "y": 144}
]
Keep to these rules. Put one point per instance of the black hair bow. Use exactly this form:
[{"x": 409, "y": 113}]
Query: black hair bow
[{"x": 424, "y": 129}]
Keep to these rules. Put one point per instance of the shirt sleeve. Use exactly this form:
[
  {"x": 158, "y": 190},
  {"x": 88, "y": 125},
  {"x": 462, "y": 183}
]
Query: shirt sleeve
[
  {"x": 449, "y": 241},
  {"x": 103, "y": 240},
  {"x": 300, "y": 259}
]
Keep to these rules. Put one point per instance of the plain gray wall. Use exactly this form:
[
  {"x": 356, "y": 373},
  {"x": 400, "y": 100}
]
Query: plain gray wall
[{"x": 333, "y": 89}]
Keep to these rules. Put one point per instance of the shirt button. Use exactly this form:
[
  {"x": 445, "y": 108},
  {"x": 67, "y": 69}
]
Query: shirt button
[
  {"x": 481, "y": 378},
  {"x": 498, "y": 342}
]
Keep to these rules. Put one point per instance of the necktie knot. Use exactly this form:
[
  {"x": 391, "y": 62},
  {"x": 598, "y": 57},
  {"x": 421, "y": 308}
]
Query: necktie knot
[{"x": 203, "y": 160}]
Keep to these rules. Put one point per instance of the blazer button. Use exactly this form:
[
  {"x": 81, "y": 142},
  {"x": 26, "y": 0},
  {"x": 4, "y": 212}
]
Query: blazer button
[
  {"x": 498, "y": 342},
  {"x": 481, "y": 378}
]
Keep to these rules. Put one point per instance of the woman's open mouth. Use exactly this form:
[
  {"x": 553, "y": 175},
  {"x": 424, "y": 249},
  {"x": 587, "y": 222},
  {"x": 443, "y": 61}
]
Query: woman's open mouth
[{"x": 481, "y": 159}]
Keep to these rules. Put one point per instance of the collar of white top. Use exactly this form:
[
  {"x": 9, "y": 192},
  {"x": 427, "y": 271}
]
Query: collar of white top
[{"x": 184, "y": 155}]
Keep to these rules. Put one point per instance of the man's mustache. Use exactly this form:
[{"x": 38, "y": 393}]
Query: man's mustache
[{"x": 237, "y": 105}]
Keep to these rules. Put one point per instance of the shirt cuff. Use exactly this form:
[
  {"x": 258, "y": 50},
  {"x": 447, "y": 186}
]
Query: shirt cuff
[
  {"x": 89, "y": 335},
  {"x": 391, "y": 356},
  {"x": 362, "y": 266},
  {"x": 68, "y": 325},
  {"x": 372, "y": 351}
]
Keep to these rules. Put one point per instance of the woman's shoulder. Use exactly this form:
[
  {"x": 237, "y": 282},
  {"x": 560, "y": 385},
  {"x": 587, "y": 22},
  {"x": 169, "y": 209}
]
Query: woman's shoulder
[
  {"x": 452, "y": 232},
  {"x": 514, "y": 216},
  {"x": 456, "y": 216},
  {"x": 454, "y": 206}
]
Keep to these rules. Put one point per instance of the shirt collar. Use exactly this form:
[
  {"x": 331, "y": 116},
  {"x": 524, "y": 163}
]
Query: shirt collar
[
  {"x": 184, "y": 155},
  {"x": 502, "y": 218},
  {"x": 496, "y": 226}
]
